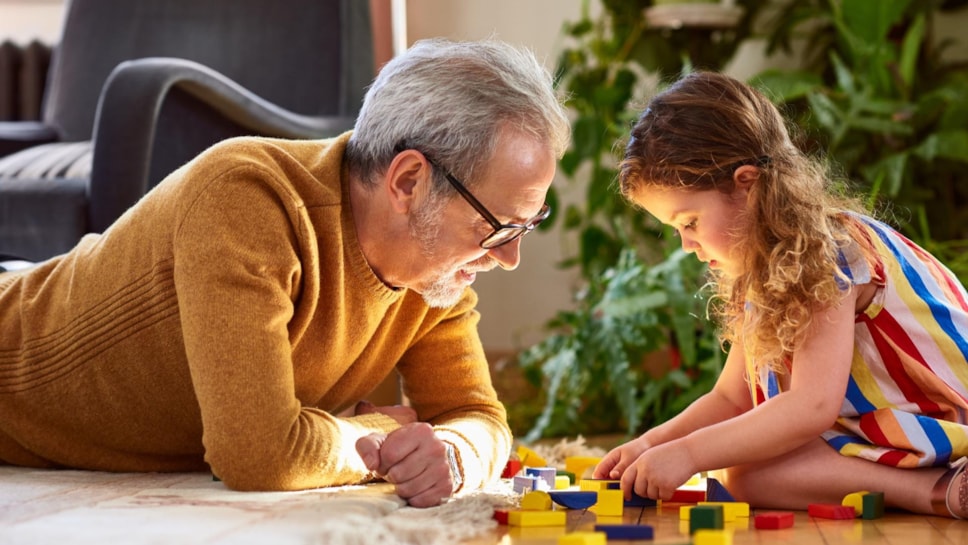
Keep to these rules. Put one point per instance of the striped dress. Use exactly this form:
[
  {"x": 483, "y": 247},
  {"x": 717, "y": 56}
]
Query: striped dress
[{"x": 906, "y": 403}]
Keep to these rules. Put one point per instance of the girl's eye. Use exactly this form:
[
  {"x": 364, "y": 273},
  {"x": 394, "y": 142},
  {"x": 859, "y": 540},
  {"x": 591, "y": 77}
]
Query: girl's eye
[{"x": 690, "y": 225}]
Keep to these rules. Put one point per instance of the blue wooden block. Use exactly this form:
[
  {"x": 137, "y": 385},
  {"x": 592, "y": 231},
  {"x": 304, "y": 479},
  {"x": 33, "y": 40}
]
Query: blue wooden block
[
  {"x": 715, "y": 491},
  {"x": 635, "y": 500},
  {"x": 625, "y": 531},
  {"x": 640, "y": 501},
  {"x": 574, "y": 499}
]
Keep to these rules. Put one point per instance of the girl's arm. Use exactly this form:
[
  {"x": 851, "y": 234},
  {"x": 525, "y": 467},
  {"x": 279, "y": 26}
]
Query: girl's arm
[
  {"x": 821, "y": 368},
  {"x": 728, "y": 398},
  {"x": 818, "y": 382}
]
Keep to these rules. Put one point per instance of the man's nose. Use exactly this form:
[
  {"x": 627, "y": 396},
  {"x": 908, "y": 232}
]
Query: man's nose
[{"x": 508, "y": 256}]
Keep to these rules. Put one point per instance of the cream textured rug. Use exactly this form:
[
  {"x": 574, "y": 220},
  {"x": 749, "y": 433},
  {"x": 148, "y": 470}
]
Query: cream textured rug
[{"x": 78, "y": 507}]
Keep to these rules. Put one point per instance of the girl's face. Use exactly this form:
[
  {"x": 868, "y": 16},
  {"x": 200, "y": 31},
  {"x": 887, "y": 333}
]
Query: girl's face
[{"x": 708, "y": 222}]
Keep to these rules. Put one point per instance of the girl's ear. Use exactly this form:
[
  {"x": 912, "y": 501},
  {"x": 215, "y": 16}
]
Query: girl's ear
[{"x": 745, "y": 176}]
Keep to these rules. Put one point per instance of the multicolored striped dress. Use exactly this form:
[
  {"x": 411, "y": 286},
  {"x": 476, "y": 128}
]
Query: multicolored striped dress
[{"x": 906, "y": 403}]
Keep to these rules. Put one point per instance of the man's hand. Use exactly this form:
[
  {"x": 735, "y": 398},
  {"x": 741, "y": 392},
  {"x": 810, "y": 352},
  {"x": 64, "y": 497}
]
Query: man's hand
[{"x": 414, "y": 460}]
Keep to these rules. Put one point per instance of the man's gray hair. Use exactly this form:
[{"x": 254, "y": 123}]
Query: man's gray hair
[{"x": 450, "y": 100}]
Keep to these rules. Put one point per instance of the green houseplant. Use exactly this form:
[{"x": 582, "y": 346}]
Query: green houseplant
[
  {"x": 874, "y": 94},
  {"x": 878, "y": 97}
]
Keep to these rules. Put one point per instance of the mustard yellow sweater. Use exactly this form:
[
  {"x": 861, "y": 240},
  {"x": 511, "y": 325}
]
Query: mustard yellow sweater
[{"x": 220, "y": 324}]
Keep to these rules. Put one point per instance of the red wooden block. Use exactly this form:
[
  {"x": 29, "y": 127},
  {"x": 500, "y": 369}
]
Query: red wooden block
[
  {"x": 831, "y": 511},
  {"x": 512, "y": 468},
  {"x": 688, "y": 496},
  {"x": 773, "y": 520},
  {"x": 501, "y": 516}
]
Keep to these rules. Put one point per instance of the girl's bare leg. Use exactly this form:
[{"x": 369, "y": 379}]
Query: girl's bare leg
[{"x": 819, "y": 474}]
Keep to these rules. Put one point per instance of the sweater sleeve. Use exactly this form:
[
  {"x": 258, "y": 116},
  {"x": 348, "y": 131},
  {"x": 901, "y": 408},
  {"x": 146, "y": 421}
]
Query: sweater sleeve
[
  {"x": 447, "y": 379},
  {"x": 237, "y": 275}
]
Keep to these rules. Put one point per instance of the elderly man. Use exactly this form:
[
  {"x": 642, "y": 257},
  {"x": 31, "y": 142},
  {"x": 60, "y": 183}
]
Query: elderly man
[{"x": 234, "y": 319}]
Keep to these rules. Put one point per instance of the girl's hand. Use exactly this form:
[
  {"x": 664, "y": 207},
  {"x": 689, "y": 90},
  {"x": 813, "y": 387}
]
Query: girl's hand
[
  {"x": 659, "y": 471},
  {"x": 614, "y": 463}
]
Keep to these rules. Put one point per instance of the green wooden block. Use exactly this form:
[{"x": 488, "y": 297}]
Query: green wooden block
[
  {"x": 873, "y": 505},
  {"x": 705, "y": 517}
]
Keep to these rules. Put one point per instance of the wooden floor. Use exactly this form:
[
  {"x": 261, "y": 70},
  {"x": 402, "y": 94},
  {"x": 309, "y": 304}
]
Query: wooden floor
[
  {"x": 91, "y": 508},
  {"x": 894, "y": 529}
]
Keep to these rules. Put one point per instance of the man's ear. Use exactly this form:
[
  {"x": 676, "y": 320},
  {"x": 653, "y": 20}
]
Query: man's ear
[{"x": 405, "y": 176}]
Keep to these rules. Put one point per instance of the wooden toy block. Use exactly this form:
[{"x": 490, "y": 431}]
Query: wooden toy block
[
  {"x": 855, "y": 500},
  {"x": 685, "y": 495},
  {"x": 831, "y": 511},
  {"x": 583, "y": 538},
  {"x": 595, "y": 484},
  {"x": 501, "y": 516},
  {"x": 731, "y": 509},
  {"x": 536, "y": 518},
  {"x": 610, "y": 503},
  {"x": 712, "y": 537},
  {"x": 562, "y": 482},
  {"x": 684, "y": 512},
  {"x": 530, "y": 458},
  {"x": 640, "y": 501},
  {"x": 571, "y": 476},
  {"x": 773, "y": 520},
  {"x": 536, "y": 500},
  {"x": 574, "y": 499},
  {"x": 579, "y": 464},
  {"x": 512, "y": 468},
  {"x": 523, "y": 483},
  {"x": 546, "y": 474},
  {"x": 626, "y": 531},
  {"x": 715, "y": 491},
  {"x": 705, "y": 517},
  {"x": 873, "y": 505}
]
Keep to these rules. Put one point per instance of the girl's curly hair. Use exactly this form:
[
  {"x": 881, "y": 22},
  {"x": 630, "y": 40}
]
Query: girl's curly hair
[{"x": 693, "y": 136}]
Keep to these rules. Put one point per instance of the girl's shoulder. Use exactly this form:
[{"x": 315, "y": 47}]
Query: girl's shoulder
[{"x": 858, "y": 258}]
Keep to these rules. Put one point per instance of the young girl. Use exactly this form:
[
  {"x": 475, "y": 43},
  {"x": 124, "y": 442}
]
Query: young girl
[{"x": 847, "y": 364}]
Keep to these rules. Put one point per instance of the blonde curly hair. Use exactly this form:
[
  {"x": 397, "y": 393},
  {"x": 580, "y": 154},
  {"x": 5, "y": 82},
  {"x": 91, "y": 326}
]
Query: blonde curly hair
[{"x": 693, "y": 136}]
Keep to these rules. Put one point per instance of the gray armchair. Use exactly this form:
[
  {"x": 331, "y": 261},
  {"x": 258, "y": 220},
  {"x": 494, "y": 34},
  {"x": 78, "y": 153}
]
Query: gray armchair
[{"x": 137, "y": 88}]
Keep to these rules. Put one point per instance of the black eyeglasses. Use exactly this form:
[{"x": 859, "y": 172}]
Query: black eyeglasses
[{"x": 503, "y": 232}]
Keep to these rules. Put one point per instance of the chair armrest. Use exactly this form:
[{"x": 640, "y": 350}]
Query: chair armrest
[
  {"x": 127, "y": 115},
  {"x": 20, "y": 135}
]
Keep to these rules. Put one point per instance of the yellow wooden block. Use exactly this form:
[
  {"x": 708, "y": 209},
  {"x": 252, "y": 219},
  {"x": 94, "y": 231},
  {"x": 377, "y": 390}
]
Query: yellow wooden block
[
  {"x": 684, "y": 512},
  {"x": 583, "y": 538},
  {"x": 731, "y": 509},
  {"x": 530, "y": 458},
  {"x": 610, "y": 503},
  {"x": 536, "y": 518},
  {"x": 706, "y": 536},
  {"x": 536, "y": 500},
  {"x": 594, "y": 484},
  {"x": 855, "y": 500},
  {"x": 562, "y": 482},
  {"x": 578, "y": 465}
]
